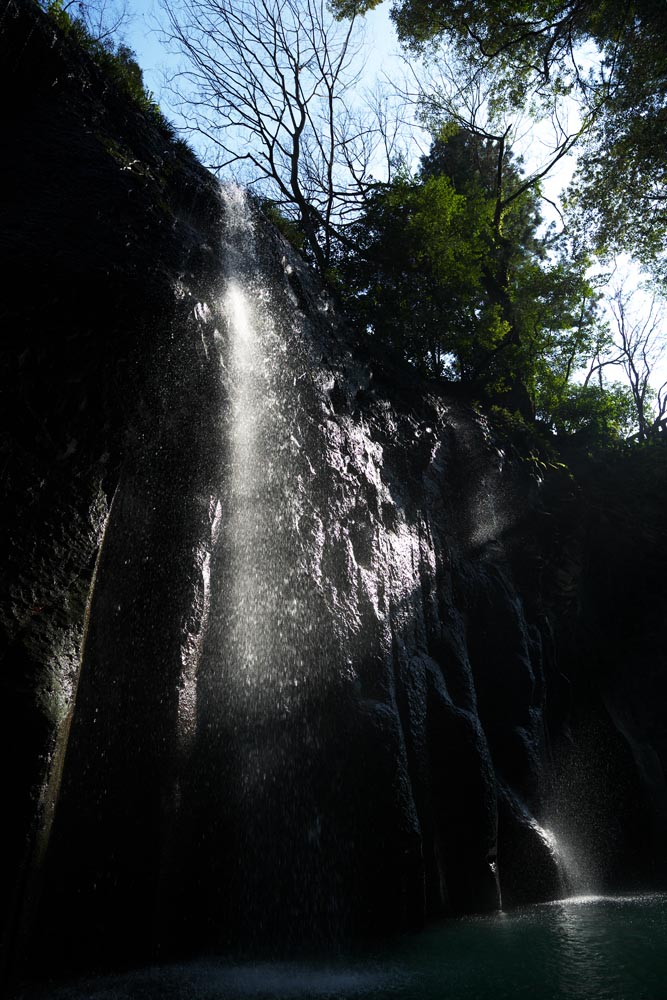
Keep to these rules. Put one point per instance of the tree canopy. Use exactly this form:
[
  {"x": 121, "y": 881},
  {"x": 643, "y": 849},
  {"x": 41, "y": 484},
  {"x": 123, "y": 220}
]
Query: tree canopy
[
  {"x": 270, "y": 86},
  {"x": 446, "y": 257},
  {"x": 469, "y": 293},
  {"x": 608, "y": 55}
]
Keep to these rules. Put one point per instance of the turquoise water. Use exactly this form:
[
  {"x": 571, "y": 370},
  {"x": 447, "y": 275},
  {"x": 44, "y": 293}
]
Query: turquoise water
[{"x": 588, "y": 947}]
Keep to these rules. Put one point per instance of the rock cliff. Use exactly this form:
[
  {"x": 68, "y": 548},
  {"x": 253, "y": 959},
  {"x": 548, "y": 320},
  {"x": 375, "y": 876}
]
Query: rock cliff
[{"x": 446, "y": 656}]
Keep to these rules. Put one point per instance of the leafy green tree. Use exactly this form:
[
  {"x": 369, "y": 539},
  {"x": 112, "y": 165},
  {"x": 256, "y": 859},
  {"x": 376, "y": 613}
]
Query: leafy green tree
[
  {"x": 415, "y": 278},
  {"x": 611, "y": 55},
  {"x": 545, "y": 307},
  {"x": 596, "y": 413},
  {"x": 95, "y": 26},
  {"x": 453, "y": 272},
  {"x": 103, "y": 20},
  {"x": 620, "y": 191}
]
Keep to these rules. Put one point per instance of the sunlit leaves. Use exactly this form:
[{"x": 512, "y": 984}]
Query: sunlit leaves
[{"x": 610, "y": 56}]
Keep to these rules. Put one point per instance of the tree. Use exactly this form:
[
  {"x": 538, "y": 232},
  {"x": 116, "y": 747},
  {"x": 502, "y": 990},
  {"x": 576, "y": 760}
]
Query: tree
[
  {"x": 103, "y": 20},
  {"x": 475, "y": 136},
  {"x": 455, "y": 94},
  {"x": 590, "y": 412},
  {"x": 639, "y": 348},
  {"x": 620, "y": 192},
  {"x": 414, "y": 278},
  {"x": 464, "y": 294},
  {"x": 539, "y": 294},
  {"x": 611, "y": 55},
  {"x": 529, "y": 37},
  {"x": 270, "y": 84},
  {"x": 96, "y": 25}
]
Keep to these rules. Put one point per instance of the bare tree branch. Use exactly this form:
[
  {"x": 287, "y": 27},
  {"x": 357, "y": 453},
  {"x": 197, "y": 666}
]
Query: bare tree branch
[
  {"x": 641, "y": 351},
  {"x": 269, "y": 84},
  {"x": 104, "y": 20}
]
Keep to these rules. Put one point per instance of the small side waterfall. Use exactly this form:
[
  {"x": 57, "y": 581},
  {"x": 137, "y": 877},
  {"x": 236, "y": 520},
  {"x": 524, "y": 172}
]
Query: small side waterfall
[{"x": 578, "y": 870}]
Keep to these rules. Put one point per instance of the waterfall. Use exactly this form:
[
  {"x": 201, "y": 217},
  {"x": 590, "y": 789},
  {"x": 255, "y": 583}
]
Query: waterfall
[
  {"x": 317, "y": 582},
  {"x": 267, "y": 611},
  {"x": 577, "y": 870},
  {"x": 327, "y": 624},
  {"x": 264, "y": 668},
  {"x": 274, "y": 687}
]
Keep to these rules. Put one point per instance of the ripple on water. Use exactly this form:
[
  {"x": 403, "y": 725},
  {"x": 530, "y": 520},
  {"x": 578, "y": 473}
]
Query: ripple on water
[
  {"x": 583, "y": 948},
  {"x": 211, "y": 980}
]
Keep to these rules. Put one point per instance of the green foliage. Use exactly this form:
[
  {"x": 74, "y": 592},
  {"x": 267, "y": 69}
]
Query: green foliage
[
  {"x": 619, "y": 199},
  {"x": 593, "y": 418},
  {"x": 456, "y": 277},
  {"x": 414, "y": 279},
  {"x": 58, "y": 12},
  {"x": 532, "y": 444},
  {"x": 348, "y": 8},
  {"x": 290, "y": 229},
  {"x": 532, "y": 321},
  {"x": 594, "y": 412},
  {"x": 117, "y": 61},
  {"x": 450, "y": 266},
  {"x": 465, "y": 294}
]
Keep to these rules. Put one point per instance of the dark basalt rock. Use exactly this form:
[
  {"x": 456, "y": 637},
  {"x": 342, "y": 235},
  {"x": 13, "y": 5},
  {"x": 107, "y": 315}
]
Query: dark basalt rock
[
  {"x": 102, "y": 216},
  {"x": 463, "y": 637}
]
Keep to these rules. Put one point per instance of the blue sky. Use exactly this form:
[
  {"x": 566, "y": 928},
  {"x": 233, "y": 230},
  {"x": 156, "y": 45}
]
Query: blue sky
[{"x": 143, "y": 36}]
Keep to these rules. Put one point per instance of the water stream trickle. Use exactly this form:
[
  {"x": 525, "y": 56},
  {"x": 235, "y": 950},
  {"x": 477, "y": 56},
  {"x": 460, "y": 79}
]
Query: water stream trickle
[
  {"x": 578, "y": 872},
  {"x": 263, "y": 663},
  {"x": 266, "y": 608}
]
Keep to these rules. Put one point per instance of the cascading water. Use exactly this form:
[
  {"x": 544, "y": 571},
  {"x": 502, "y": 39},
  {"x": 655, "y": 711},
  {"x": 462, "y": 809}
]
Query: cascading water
[
  {"x": 279, "y": 732},
  {"x": 316, "y": 585},
  {"x": 578, "y": 875},
  {"x": 266, "y": 664},
  {"x": 319, "y": 585},
  {"x": 322, "y": 636},
  {"x": 268, "y": 614}
]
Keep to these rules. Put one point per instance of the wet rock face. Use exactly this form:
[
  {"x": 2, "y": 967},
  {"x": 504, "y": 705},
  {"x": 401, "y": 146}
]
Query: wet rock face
[
  {"x": 275, "y": 635},
  {"x": 101, "y": 218}
]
